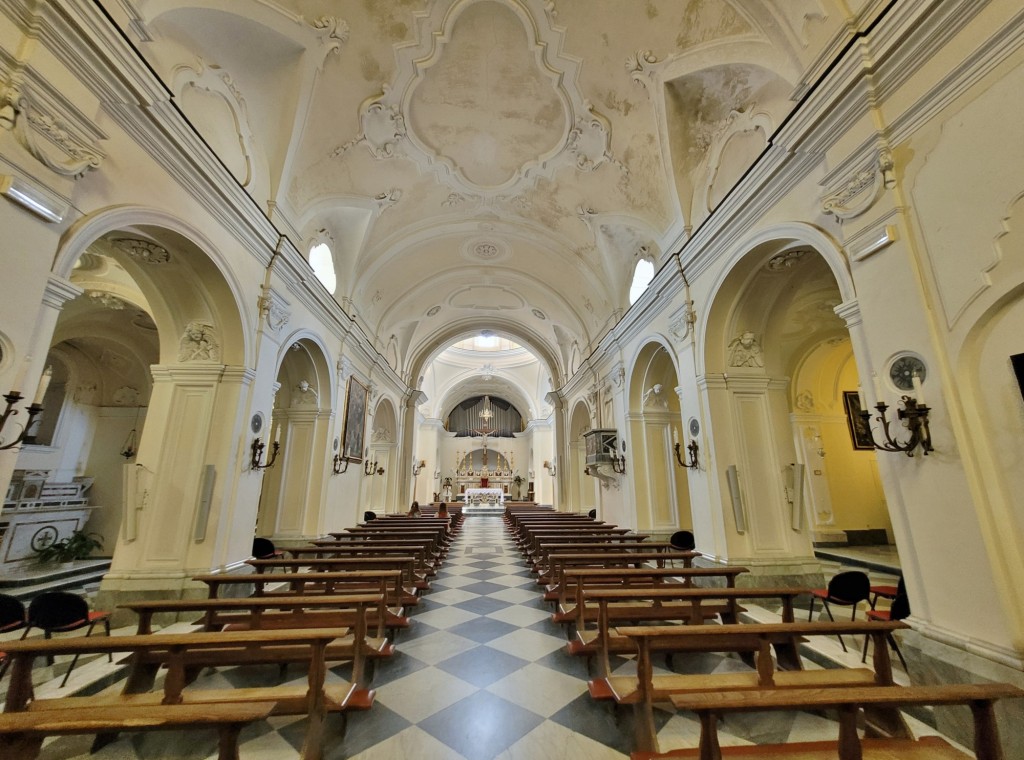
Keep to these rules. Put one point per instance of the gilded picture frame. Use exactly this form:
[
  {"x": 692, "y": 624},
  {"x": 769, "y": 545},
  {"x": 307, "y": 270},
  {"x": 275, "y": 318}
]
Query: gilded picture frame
[
  {"x": 355, "y": 421},
  {"x": 860, "y": 431}
]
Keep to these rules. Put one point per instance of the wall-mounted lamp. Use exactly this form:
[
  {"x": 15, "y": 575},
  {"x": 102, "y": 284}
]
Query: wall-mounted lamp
[
  {"x": 34, "y": 409},
  {"x": 916, "y": 415},
  {"x": 417, "y": 467},
  {"x": 693, "y": 452},
  {"x": 337, "y": 467},
  {"x": 256, "y": 458},
  {"x": 618, "y": 463},
  {"x": 550, "y": 467},
  {"x": 369, "y": 467}
]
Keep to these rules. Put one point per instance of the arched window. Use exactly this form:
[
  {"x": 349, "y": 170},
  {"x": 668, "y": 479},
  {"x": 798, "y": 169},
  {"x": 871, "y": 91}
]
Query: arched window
[
  {"x": 642, "y": 276},
  {"x": 322, "y": 261}
]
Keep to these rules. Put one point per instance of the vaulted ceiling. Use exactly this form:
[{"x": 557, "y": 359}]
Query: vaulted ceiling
[{"x": 486, "y": 164}]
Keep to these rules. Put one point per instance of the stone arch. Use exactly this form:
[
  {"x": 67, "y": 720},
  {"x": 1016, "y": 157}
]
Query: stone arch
[
  {"x": 583, "y": 489},
  {"x": 653, "y": 420}
]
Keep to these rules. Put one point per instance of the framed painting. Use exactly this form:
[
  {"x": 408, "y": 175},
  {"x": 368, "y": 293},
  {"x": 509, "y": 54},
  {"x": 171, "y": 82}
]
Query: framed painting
[
  {"x": 860, "y": 430},
  {"x": 355, "y": 421}
]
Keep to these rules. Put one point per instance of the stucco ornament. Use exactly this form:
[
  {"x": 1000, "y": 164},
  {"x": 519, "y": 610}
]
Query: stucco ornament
[
  {"x": 382, "y": 127},
  {"x": 68, "y": 139},
  {"x": 145, "y": 251},
  {"x": 199, "y": 343},
  {"x": 745, "y": 351},
  {"x": 639, "y": 67},
  {"x": 804, "y": 401},
  {"x": 106, "y": 300},
  {"x": 304, "y": 395},
  {"x": 861, "y": 191},
  {"x": 126, "y": 395},
  {"x": 655, "y": 398},
  {"x": 681, "y": 321},
  {"x": 274, "y": 310}
]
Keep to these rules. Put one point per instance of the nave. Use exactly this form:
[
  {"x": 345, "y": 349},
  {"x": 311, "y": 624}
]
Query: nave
[{"x": 481, "y": 673}]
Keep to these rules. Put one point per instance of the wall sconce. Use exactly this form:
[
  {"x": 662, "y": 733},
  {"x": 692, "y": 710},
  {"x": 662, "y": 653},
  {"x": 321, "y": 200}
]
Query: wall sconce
[
  {"x": 256, "y": 457},
  {"x": 337, "y": 467},
  {"x": 550, "y": 467},
  {"x": 618, "y": 463},
  {"x": 693, "y": 451},
  {"x": 916, "y": 415},
  {"x": 417, "y": 468},
  {"x": 34, "y": 408}
]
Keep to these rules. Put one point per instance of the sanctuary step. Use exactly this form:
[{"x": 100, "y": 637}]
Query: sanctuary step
[{"x": 28, "y": 580}]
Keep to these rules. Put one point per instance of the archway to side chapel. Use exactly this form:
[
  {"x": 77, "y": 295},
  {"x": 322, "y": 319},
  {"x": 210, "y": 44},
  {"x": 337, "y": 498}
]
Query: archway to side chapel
[
  {"x": 380, "y": 486},
  {"x": 291, "y": 500},
  {"x": 782, "y": 381},
  {"x": 174, "y": 360},
  {"x": 583, "y": 489},
  {"x": 655, "y": 424}
]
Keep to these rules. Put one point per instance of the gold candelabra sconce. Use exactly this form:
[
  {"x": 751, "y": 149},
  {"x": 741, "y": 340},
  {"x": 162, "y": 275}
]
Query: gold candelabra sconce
[
  {"x": 417, "y": 467},
  {"x": 340, "y": 464},
  {"x": 12, "y": 398},
  {"x": 692, "y": 453},
  {"x": 916, "y": 416},
  {"x": 551, "y": 467},
  {"x": 258, "y": 448}
]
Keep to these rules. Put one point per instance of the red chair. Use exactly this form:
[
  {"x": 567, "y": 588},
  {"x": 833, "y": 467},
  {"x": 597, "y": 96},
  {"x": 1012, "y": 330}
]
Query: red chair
[
  {"x": 849, "y": 589},
  {"x": 899, "y": 610},
  {"x": 61, "y": 612}
]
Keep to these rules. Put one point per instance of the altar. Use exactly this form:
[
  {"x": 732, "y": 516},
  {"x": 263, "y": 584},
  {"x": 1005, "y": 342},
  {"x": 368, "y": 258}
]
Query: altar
[{"x": 477, "y": 496}]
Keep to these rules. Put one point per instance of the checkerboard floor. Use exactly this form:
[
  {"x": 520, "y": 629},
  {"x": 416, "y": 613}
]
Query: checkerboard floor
[{"x": 482, "y": 673}]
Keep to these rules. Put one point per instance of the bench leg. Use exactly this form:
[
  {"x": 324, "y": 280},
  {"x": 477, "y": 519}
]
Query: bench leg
[
  {"x": 709, "y": 749},
  {"x": 20, "y": 746},
  {"x": 228, "y": 742}
]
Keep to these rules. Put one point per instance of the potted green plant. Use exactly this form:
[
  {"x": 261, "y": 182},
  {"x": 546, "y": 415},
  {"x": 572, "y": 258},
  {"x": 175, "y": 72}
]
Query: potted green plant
[{"x": 79, "y": 545}]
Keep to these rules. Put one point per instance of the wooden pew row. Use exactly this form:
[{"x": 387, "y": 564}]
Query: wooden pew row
[
  {"x": 599, "y": 610},
  {"x": 356, "y": 614},
  {"x": 646, "y": 688},
  {"x": 557, "y": 590},
  {"x": 405, "y": 563},
  {"x": 537, "y": 552},
  {"x": 423, "y": 566},
  {"x": 577, "y": 580},
  {"x": 387, "y": 582},
  {"x": 22, "y": 733},
  {"x": 848, "y": 702},
  {"x": 181, "y": 653},
  {"x": 568, "y": 545}
]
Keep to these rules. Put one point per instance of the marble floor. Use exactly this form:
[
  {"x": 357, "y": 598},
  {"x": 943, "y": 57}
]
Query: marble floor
[{"x": 481, "y": 674}]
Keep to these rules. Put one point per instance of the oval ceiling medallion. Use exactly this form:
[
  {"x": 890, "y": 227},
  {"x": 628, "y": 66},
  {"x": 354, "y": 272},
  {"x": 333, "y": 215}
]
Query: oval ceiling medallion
[
  {"x": 539, "y": 314},
  {"x": 433, "y": 310},
  {"x": 485, "y": 249}
]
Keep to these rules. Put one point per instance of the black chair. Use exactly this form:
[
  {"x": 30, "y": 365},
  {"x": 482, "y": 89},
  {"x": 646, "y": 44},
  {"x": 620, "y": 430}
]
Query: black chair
[
  {"x": 592, "y": 514},
  {"x": 12, "y": 618},
  {"x": 849, "y": 588},
  {"x": 263, "y": 548},
  {"x": 369, "y": 516},
  {"x": 60, "y": 612},
  {"x": 898, "y": 610},
  {"x": 683, "y": 540}
]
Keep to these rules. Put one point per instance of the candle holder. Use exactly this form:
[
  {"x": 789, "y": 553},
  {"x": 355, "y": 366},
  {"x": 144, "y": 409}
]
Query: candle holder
[
  {"x": 693, "y": 450},
  {"x": 916, "y": 416},
  {"x": 368, "y": 468},
  {"x": 337, "y": 468},
  {"x": 256, "y": 459},
  {"x": 619, "y": 464},
  {"x": 417, "y": 468},
  {"x": 13, "y": 398}
]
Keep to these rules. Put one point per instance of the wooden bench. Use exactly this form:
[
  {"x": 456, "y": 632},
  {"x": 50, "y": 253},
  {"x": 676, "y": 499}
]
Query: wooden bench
[
  {"x": 541, "y": 558},
  {"x": 848, "y": 702},
  {"x": 183, "y": 653},
  {"x": 559, "y": 591},
  {"x": 539, "y": 544},
  {"x": 608, "y": 607},
  {"x": 22, "y": 733},
  {"x": 419, "y": 551},
  {"x": 356, "y": 613},
  {"x": 387, "y": 582},
  {"x": 405, "y": 563},
  {"x": 646, "y": 688}
]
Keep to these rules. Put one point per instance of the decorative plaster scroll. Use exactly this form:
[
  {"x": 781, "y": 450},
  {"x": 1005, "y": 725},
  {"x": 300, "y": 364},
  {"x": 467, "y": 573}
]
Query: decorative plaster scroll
[
  {"x": 738, "y": 122},
  {"x": 382, "y": 127},
  {"x": 388, "y": 199},
  {"x": 780, "y": 262},
  {"x": 590, "y": 142},
  {"x": 106, "y": 300},
  {"x": 333, "y": 33},
  {"x": 681, "y": 321},
  {"x": 145, "y": 251},
  {"x": 381, "y": 434},
  {"x": 274, "y": 310},
  {"x": 654, "y": 397},
  {"x": 804, "y": 401},
  {"x": 199, "y": 343},
  {"x": 745, "y": 351},
  {"x": 345, "y": 370},
  {"x": 863, "y": 189},
  {"x": 45, "y": 132},
  {"x": 593, "y": 398},
  {"x": 638, "y": 66}
]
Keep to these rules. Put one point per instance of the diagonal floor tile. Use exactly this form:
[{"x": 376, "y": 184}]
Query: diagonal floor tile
[{"x": 481, "y": 726}]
